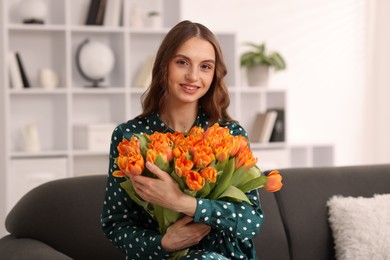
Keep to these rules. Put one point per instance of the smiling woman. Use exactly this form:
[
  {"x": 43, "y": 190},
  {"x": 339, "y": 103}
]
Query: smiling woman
[{"x": 187, "y": 90}]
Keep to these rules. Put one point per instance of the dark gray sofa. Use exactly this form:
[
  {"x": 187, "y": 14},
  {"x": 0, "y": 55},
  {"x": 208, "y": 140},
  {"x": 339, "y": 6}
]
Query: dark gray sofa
[{"x": 60, "y": 219}]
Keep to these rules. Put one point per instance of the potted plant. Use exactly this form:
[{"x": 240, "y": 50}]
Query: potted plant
[
  {"x": 258, "y": 62},
  {"x": 154, "y": 19}
]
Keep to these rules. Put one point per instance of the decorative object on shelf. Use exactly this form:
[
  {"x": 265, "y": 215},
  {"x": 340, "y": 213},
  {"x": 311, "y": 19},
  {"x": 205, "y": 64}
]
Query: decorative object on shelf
[
  {"x": 33, "y": 11},
  {"x": 112, "y": 16},
  {"x": 96, "y": 12},
  {"x": 48, "y": 78},
  {"x": 93, "y": 137},
  {"x": 144, "y": 77},
  {"x": 154, "y": 19},
  {"x": 94, "y": 61},
  {"x": 31, "y": 138},
  {"x": 25, "y": 79},
  {"x": 263, "y": 126},
  {"x": 14, "y": 71},
  {"x": 136, "y": 19},
  {"x": 258, "y": 63}
]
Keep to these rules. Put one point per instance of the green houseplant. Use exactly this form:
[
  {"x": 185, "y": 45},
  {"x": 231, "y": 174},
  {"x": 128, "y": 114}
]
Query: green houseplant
[{"x": 258, "y": 62}]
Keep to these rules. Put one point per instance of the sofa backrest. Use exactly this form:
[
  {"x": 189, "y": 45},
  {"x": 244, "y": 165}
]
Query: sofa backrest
[
  {"x": 65, "y": 214},
  {"x": 271, "y": 242},
  {"x": 302, "y": 203}
]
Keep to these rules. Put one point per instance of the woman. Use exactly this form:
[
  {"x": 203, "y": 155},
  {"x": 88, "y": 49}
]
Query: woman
[{"x": 187, "y": 89}]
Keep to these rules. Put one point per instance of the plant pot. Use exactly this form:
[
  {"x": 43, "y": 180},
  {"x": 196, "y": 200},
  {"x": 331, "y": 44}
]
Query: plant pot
[{"x": 258, "y": 75}]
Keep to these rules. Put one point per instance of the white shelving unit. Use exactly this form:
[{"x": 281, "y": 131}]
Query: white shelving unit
[{"x": 56, "y": 112}]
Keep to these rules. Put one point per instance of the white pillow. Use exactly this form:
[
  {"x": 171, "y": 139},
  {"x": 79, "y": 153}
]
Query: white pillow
[{"x": 361, "y": 227}]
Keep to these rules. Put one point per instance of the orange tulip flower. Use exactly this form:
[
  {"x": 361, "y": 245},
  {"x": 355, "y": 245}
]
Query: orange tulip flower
[
  {"x": 202, "y": 153},
  {"x": 209, "y": 173},
  {"x": 131, "y": 164},
  {"x": 245, "y": 158},
  {"x": 274, "y": 181},
  {"x": 127, "y": 147},
  {"x": 222, "y": 151},
  {"x": 194, "y": 180},
  {"x": 183, "y": 166}
]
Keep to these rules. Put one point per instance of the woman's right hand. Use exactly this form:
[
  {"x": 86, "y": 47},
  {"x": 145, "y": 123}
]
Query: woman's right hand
[{"x": 184, "y": 234}]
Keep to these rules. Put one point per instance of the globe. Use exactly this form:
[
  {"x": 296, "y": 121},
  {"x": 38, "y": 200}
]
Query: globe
[{"x": 95, "y": 60}]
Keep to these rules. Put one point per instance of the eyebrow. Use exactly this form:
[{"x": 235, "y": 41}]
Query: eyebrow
[{"x": 188, "y": 58}]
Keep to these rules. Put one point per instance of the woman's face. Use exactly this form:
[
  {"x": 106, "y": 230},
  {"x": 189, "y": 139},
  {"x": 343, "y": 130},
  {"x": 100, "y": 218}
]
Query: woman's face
[{"x": 191, "y": 71}]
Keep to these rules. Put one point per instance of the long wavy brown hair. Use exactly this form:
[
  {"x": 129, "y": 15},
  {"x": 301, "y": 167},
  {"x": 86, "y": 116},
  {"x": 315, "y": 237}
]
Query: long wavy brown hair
[{"x": 215, "y": 102}]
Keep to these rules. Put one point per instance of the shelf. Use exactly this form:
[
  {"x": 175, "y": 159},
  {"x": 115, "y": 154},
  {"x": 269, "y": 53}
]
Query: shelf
[
  {"x": 86, "y": 153},
  {"x": 38, "y": 91},
  {"x": 99, "y": 90},
  {"x": 37, "y": 27},
  {"x": 42, "y": 154}
]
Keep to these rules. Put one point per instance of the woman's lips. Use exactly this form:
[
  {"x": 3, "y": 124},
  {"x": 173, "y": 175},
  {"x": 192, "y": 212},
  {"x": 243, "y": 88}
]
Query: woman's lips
[{"x": 190, "y": 89}]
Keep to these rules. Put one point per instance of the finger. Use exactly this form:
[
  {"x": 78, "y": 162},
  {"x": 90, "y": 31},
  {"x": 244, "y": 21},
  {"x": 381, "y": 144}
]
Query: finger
[
  {"x": 185, "y": 220},
  {"x": 157, "y": 171}
]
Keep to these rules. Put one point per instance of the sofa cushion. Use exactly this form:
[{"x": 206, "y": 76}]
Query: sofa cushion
[
  {"x": 360, "y": 226},
  {"x": 28, "y": 249},
  {"x": 65, "y": 214},
  {"x": 302, "y": 202}
]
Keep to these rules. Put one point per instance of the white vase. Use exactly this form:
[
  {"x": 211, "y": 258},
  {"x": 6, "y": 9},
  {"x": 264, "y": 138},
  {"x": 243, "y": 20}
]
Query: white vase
[
  {"x": 155, "y": 21},
  {"x": 48, "y": 78},
  {"x": 258, "y": 75},
  {"x": 33, "y": 11},
  {"x": 136, "y": 16},
  {"x": 31, "y": 138}
]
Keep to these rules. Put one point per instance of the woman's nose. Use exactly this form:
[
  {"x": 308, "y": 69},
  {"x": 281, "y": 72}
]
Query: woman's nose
[{"x": 192, "y": 74}]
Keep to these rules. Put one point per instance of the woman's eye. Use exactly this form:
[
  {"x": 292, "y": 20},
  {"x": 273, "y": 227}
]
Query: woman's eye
[
  {"x": 206, "y": 67},
  {"x": 181, "y": 62}
]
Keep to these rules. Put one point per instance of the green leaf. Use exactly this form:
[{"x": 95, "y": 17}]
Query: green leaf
[
  {"x": 240, "y": 176},
  {"x": 224, "y": 181},
  {"x": 253, "y": 184},
  {"x": 128, "y": 187},
  {"x": 234, "y": 194},
  {"x": 165, "y": 217},
  {"x": 179, "y": 180},
  {"x": 144, "y": 140},
  {"x": 192, "y": 193},
  {"x": 237, "y": 175},
  {"x": 204, "y": 191},
  {"x": 161, "y": 164}
]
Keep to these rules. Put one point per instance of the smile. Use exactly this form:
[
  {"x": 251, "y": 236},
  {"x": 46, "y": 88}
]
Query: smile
[{"x": 189, "y": 87}]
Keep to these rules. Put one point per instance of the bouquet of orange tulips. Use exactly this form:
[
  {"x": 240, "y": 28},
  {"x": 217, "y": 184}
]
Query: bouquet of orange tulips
[{"x": 210, "y": 164}]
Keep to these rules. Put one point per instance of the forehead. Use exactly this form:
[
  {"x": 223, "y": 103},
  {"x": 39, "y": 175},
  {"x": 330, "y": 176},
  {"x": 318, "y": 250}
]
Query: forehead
[{"x": 198, "y": 48}]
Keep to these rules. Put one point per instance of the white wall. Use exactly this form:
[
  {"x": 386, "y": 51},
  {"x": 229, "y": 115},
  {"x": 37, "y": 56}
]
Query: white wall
[
  {"x": 380, "y": 78},
  {"x": 325, "y": 43}
]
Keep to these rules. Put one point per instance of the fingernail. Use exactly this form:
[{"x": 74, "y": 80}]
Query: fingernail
[{"x": 148, "y": 165}]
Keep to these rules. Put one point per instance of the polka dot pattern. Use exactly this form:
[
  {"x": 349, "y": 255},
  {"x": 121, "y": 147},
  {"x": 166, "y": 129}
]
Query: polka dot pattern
[{"x": 132, "y": 230}]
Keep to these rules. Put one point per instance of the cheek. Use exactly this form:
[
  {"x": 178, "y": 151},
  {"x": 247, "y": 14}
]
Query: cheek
[{"x": 208, "y": 79}]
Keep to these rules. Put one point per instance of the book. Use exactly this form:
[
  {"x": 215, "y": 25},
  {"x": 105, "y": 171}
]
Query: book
[
  {"x": 26, "y": 82},
  {"x": 112, "y": 16},
  {"x": 269, "y": 123},
  {"x": 144, "y": 77},
  {"x": 92, "y": 12},
  {"x": 14, "y": 72},
  {"x": 101, "y": 12},
  {"x": 257, "y": 127},
  {"x": 278, "y": 133}
]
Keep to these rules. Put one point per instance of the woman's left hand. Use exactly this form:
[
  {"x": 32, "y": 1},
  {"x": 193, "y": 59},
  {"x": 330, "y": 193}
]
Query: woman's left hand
[{"x": 163, "y": 191}]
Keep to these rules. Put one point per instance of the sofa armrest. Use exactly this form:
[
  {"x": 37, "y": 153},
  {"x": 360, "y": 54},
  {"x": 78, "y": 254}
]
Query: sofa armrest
[{"x": 25, "y": 248}]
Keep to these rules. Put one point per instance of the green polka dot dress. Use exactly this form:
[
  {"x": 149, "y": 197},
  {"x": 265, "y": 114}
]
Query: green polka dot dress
[{"x": 132, "y": 230}]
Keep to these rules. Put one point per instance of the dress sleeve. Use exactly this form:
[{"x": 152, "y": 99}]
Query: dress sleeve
[
  {"x": 236, "y": 218},
  {"x": 124, "y": 223}
]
